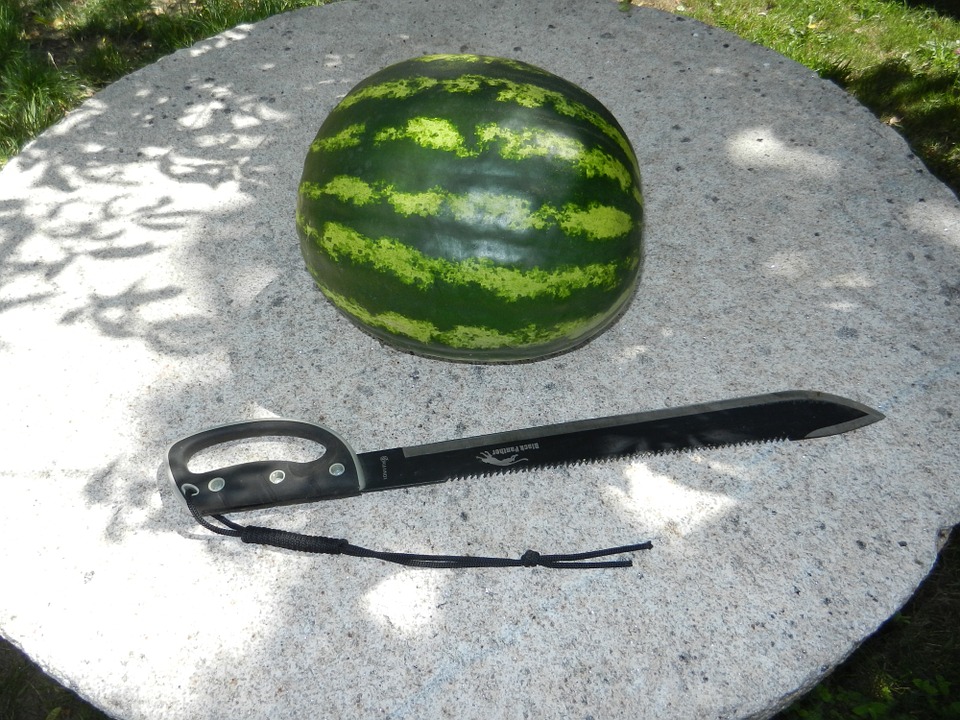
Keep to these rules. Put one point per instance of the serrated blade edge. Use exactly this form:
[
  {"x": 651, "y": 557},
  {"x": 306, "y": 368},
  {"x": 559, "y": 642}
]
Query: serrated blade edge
[{"x": 789, "y": 415}]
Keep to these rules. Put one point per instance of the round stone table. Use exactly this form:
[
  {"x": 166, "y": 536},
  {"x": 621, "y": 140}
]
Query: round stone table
[{"x": 152, "y": 286}]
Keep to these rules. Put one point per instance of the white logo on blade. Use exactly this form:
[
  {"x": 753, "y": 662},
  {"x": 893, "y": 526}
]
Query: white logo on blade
[
  {"x": 491, "y": 457},
  {"x": 500, "y": 462}
]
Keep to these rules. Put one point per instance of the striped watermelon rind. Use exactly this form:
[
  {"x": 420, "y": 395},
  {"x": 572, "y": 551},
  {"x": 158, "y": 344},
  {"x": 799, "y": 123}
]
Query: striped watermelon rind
[{"x": 473, "y": 208}]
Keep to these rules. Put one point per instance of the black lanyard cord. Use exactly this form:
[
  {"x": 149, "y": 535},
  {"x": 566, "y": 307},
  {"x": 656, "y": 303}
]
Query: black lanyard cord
[{"x": 338, "y": 546}]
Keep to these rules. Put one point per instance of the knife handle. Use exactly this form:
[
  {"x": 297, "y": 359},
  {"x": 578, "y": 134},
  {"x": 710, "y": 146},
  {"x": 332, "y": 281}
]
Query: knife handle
[{"x": 264, "y": 483}]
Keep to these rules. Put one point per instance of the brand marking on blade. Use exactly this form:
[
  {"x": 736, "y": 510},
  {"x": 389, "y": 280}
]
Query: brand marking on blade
[
  {"x": 490, "y": 457},
  {"x": 504, "y": 466}
]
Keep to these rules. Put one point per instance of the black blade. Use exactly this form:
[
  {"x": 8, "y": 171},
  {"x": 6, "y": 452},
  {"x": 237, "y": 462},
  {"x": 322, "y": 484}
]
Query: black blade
[
  {"x": 338, "y": 472},
  {"x": 791, "y": 415}
]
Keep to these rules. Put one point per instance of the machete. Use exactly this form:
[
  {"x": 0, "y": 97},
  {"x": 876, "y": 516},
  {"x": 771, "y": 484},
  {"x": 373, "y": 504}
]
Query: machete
[{"x": 339, "y": 472}]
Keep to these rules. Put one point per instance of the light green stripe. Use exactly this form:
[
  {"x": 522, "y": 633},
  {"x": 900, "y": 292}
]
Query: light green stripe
[
  {"x": 345, "y": 188},
  {"x": 431, "y": 133},
  {"x": 526, "y": 95},
  {"x": 441, "y": 134},
  {"x": 594, "y": 222},
  {"x": 484, "y": 60},
  {"x": 403, "y": 88},
  {"x": 533, "y": 96},
  {"x": 387, "y": 255},
  {"x": 390, "y": 90},
  {"x": 421, "y": 204},
  {"x": 597, "y": 222},
  {"x": 412, "y": 267},
  {"x": 461, "y": 336},
  {"x": 529, "y": 143},
  {"x": 348, "y": 137},
  {"x": 538, "y": 143}
]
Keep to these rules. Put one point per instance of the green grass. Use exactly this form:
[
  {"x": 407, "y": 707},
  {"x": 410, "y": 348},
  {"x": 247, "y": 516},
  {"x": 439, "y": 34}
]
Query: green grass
[
  {"x": 910, "y": 668},
  {"x": 56, "y": 53},
  {"x": 27, "y": 694},
  {"x": 901, "y": 58},
  {"x": 34, "y": 93}
]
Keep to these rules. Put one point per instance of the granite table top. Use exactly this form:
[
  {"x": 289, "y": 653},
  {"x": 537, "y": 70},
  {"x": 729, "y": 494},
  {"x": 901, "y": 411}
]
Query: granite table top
[{"x": 152, "y": 286}]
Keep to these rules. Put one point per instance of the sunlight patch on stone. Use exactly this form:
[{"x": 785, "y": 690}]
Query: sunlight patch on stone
[
  {"x": 406, "y": 601},
  {"x": 665, "y": 506},
  {"x": 760, "y": 147}
]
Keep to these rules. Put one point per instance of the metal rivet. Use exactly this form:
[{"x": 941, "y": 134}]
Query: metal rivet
[
  {"x": 216, "y": 485},
  {"x": 337, "y": 469},
  {"x": 277, "y": 476}
]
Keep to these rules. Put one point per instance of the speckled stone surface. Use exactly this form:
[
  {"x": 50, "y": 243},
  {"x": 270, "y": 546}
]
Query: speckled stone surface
[{"x": 152, "y": 286}]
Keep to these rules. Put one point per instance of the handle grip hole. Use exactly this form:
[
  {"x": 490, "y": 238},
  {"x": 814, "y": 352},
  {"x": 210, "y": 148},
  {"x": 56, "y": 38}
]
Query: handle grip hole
[{"x": 236, "y": 452}]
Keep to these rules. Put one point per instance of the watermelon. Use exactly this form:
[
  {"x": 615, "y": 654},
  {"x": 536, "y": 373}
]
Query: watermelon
[{"x": 472, "y": 208}]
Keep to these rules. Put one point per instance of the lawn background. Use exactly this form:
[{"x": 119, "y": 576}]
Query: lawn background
[{"x": 900, "y": 58}]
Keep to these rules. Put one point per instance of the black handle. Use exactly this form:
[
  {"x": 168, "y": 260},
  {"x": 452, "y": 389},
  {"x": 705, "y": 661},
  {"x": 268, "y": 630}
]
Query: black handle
[{"x": 264, "y": 483}]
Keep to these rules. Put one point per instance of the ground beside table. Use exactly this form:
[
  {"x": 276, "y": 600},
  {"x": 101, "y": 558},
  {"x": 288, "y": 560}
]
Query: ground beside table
[{"x": 152, "y": 286}]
